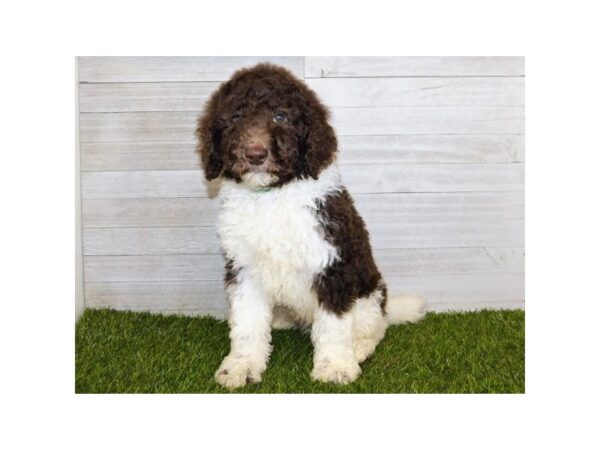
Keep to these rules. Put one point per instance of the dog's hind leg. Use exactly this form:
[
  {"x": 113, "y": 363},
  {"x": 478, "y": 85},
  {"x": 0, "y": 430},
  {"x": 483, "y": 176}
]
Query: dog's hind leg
[
  {"x": 369, "y": 324},
  {"x": 333, "y": 339}
]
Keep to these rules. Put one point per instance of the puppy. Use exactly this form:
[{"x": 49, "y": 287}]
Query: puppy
[{"x": 297, "y": 252}]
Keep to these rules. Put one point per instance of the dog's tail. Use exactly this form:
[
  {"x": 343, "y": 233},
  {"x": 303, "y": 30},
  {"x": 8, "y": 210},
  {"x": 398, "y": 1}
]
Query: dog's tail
[{"x": 404, "y": 308}]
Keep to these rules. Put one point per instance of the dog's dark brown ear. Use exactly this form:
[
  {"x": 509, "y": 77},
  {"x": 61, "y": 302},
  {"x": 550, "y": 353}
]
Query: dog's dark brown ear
[
  {"x": 320, "y": 141},
  {"x": 209, "y": 140}
]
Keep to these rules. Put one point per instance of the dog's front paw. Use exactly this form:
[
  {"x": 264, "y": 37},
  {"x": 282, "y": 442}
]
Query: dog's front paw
[
  {"x": 236, "y": 372},
  {"x": 339, "y": 372}
]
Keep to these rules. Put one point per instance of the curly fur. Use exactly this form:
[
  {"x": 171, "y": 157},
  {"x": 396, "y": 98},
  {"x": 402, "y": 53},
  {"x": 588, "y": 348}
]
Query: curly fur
[
  {"x": 301, "y": 147},
  {"x": 297, "y": 251}
]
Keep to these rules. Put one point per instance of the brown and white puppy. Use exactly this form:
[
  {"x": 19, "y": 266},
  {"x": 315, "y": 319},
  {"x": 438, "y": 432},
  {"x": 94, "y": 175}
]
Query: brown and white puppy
[{"x": 297, "y": 251}]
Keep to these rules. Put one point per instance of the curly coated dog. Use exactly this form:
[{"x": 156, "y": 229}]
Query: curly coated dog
[{"x": 297, "y": 251}]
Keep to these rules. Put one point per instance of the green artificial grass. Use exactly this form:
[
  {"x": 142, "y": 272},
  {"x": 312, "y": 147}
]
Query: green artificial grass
[{"x": 445, "y": 353}]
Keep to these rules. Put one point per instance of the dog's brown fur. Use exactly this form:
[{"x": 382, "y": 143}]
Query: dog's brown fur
[{"x": 243, "y": 108}]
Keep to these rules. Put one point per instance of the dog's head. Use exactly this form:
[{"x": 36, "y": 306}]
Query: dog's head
[{"x": 264, "y": 127}]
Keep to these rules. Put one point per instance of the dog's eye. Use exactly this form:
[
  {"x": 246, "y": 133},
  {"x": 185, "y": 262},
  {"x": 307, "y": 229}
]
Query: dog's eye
[{"x": 279, "y": 117}]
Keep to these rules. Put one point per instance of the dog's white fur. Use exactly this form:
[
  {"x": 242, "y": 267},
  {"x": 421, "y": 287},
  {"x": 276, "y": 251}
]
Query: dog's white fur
[{"x": 275, "y": 241}]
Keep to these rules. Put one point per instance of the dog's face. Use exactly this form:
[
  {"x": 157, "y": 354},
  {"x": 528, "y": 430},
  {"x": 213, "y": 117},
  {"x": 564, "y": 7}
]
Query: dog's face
[{"x": 264, "y": 127}]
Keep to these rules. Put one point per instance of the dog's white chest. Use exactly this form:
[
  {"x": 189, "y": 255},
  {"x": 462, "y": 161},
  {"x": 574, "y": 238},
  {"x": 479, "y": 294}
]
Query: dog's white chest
[{"x": 277, "y": 238}]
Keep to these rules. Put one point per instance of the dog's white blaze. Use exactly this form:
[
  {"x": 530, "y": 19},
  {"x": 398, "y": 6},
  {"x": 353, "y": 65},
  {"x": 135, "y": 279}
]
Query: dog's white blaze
[
  {"x": 258, "y": 180},
  {"x": 275, "y": 235}
]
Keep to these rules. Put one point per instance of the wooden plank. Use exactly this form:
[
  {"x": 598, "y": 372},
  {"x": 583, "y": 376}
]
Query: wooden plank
[
  {"x": 111, "y": 69},
  {"x": 344, "y": 92},
  {"x": 150, "y": 241},
  {"x": 154, "y": 268},
  {"x": 438, "y": 91},
  {"x": 463, "y": 306},
  {"x": 359, "y": 178},
  {"x": 402, "y": 66},
  {"x": 375, "y": 178},
  {"x": 141, "y": 127},
  {"x": 443, "y": 220},
  {"x": 442, "y": 293},
  {"x": 455, "y": 232},
  {"x": 429, "y": 120},
  {"x": 152, "y": 212},
  {"x": 438, "y": 149},
  {"x": 107, "y": 156},
  {"x": 425, "y": 233},
  {"x": 427, "y": 211},
  {"x": 180, "y": 126},
  {"x": 393, "y": 221},
  {"x": 390, "y": 150},
  {"x": 450, "y": 261},
  {"x": 393, "y": 263},
  {"x": 461, "y": 289},
  {"x": 119, "y": 97},
  {"x": 146, "y": 184},
  {"x": 182, "y": 296},
  {"x": 393, "y": 232}
]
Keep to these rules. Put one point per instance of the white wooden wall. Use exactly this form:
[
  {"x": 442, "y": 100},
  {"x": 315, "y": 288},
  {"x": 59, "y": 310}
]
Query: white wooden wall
[{"x": 432, "y": 148}]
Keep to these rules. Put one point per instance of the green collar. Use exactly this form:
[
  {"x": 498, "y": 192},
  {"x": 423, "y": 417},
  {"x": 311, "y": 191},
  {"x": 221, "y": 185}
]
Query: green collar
[{"x": 265, "y": 189}]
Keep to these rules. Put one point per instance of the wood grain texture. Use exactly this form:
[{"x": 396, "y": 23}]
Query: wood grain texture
[
  {"x": 435, "y": 149},
  {"x": 458, "y": 292},
  {"x": 119, "y": 97},
  {"x": 345, "y": 92},
  {"x": 429, "y": 120},
  {"x": 437, "y": 91},
  {"x": 139, "y": 127},
  {"x": 442, "y": 232},
  {"x": 393, "y": 220},
  {"x": 375, "y": 178},
  {"x": 443, "y": 220},
  {"x": 154, "y": 268},
  {"x": 112, "y": 69},
  {"x": 150, "y": 241},
  {"x": 390, "y": 150},
  {"x": 426, "y": 211},
  {"x": 387, "y": 149},
  {"x": 425, "y": 233},
  {"x": 439, "y": 231},
  {"x": 151, "y": 212},
  {"x": 180, "y": 126},
  {"x": 467, "y": 292},
  {"x": 146, "y": 184},
  {"x": 411, "y": 66},
  {"x": 393, "y": 263},
  {"x": 189, "y": 297},
  {"x": 359, "y": 178},
  {"x": 114, "y": 156}
]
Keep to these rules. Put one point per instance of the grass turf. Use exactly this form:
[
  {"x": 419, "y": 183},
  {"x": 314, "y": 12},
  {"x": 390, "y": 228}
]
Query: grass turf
[{"x": 472, "y": 352}]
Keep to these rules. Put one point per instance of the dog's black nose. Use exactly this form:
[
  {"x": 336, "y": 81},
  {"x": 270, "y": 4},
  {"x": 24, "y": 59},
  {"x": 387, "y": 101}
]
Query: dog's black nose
[{"x": 256, "y": 154}]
